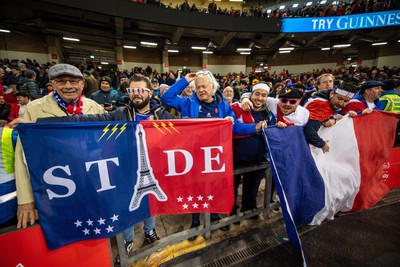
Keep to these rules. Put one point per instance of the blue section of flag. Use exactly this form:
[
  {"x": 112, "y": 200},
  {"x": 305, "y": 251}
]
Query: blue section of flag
[
  {"x": 83, "y": 177},
  {"x": 299, "y": 184},
  {"x": 8, "y": 204}
]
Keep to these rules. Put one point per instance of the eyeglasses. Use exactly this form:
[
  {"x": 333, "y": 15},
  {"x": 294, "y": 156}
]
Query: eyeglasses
[
  {"x": 139, "y": 90},
  {"x": 291, "y": 101},
  {"x": 62, "y": 82}
]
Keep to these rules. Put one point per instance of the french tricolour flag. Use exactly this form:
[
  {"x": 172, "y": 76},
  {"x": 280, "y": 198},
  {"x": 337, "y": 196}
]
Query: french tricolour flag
[{"x": 314, "y": 186}]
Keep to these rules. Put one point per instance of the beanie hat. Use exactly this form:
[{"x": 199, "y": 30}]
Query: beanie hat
[
  {"x": 106, "y": 79},
  {"x": 262, "y": 86}
]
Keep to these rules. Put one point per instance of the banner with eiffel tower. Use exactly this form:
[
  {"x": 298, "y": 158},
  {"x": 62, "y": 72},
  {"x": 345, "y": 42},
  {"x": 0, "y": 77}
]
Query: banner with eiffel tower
[{"x": 94, "y": 180}]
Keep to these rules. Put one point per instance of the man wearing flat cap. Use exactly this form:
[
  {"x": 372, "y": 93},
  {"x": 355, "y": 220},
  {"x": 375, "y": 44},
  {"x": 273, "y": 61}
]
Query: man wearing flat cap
[
  {"x": 65, "y": 100},
  {"x": 366, "y": 99},
  {"x": 323, "y": 108}
]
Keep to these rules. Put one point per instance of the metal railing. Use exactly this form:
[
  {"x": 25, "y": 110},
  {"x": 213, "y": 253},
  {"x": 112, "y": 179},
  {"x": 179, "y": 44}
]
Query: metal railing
[{"x": 208, "y": 227}]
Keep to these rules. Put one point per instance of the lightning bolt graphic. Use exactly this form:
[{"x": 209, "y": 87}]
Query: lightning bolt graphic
[
  {"x": 170, "y": 124},
  {"x": 105, "y": 130},
  {"x": 123, "y": 128},
  {"x": 165, "y": 126},
  {"x": 115, "y": 128},
  {"x": 158, "y": 127}
]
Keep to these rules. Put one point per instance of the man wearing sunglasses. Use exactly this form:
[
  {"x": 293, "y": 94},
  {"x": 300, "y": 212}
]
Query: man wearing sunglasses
[
  {"x": 139, "y": 108},
  {"x": 66, "y": 99},
  {"x": 324, "y": 107}
]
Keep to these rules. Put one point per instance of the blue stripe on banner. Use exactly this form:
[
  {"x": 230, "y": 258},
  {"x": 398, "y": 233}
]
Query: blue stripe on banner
[
  {"x": 8, "y": 209},
  {"x": 299, "y": 184},
  {"x": 341, "y": 23}
]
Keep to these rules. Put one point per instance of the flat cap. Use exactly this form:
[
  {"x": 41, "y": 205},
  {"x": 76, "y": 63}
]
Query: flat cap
[
  {"x": 291, "y": 93},
  {"x": 64, "y": 69},
  {"x": 369, "y": 84}
]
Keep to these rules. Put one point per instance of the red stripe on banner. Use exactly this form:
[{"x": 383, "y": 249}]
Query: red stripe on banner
[
  {"x": 375, "y": 135},
  {"x": 27, "y": 247},
  {"x": 391, "y": 169},
  {"x": 192, "y": 162}
]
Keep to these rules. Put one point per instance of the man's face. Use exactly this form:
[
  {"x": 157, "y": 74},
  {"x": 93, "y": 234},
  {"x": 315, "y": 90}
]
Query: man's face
[
  {"x": 374, "y": 92},
  {"x": 228, "y": 93},
  {"x": 2, "y": 100},
  {"x": 204, "y": 89},
  {"x": 326, "y": 83},
  {"x": 155, "y": 85},
  {"x": 15, "y": 72},
  {"x": 68, "y": 87},
  {"x": 22, "y": 100},
  {"x": 189, "y": 90},
  {"x": 1, "y": 73},
  {"x": 338, "y": 101},
  {"x": 259, "y": 98},
  {"x": 105, "y": 86},
  {"x": 123, "y": 79},
  {"x": 288, "y": 105},
  {"x": 140, "y": 100}
]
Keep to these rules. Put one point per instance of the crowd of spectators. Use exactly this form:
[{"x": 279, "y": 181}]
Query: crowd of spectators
[{"x": 340, "y": 8}]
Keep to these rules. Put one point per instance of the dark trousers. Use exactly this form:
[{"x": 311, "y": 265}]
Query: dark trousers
[{"x": 251, "y": 183}]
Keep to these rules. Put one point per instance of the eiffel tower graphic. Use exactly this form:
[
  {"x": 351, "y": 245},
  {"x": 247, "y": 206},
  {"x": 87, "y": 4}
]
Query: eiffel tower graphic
[{"x": 146, "y": 182}]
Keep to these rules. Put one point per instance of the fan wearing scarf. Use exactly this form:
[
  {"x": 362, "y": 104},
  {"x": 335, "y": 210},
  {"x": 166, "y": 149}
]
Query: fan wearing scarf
[{"x": 65, "y": 100}]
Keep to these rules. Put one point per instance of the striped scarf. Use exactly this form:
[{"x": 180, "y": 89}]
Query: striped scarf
[{"x": 75, "y": 107}]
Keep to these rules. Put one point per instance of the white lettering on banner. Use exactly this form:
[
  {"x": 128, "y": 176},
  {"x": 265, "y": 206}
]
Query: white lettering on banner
[
  {"x": 172, "y": 164},
  {"x": 103, "y": 172},
  {"x": 208, "y": 159},
  {"x": 188, "y": 164},
  {"x": 321, "y": 24},
  {"x": 49, "y": 178}
]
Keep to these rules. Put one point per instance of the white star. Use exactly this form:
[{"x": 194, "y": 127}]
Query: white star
[
  {"x": 195, "y": 205},
  {"x": 205, "y": 205},
  {"x": 110, "y": 229},
  {"x": 86, "y": 231},
  {"x": 97, "y": 231},
  {"x": 179, "y": 199},
  {"x": 101, "y": 221},
  {"x": 89, "y": 222},
  {"x": 200, "y": 198},
  {"x": 190, "y": 198},
  {"x": 210, "y": 197},
  {"x": 114, "y": 218},
  {"x": 185, "y": 206},
  {"x": 78, "y": 223}
]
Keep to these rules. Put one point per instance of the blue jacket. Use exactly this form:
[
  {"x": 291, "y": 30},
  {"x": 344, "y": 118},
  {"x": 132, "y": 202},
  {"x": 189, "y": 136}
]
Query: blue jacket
[
  {"x": 378, "y": 104},
  {"x": 189, "y": 107}
]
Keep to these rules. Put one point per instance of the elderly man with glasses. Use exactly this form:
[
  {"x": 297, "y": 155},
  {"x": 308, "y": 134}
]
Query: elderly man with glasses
[
  {"x": 207, "y": 102},
  {"x": 66, "y": 99}
]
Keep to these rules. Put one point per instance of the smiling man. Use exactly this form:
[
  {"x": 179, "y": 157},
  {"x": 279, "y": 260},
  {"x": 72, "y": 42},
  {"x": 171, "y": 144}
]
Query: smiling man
[{"x": 66, "y": 99}]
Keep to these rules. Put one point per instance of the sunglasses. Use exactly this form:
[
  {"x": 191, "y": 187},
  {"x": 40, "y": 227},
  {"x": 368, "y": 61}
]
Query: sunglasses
[
  {"x": 139, "y": 90},
  {"x": 291, "y": 101}
]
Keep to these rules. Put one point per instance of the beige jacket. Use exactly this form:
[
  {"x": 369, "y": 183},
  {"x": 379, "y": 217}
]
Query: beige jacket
[{"x": 41, "y": 108}]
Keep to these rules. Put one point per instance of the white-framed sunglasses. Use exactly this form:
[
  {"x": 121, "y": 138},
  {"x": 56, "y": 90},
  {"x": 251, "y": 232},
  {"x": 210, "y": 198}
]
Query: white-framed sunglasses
[{"x": 137, "y": 90}]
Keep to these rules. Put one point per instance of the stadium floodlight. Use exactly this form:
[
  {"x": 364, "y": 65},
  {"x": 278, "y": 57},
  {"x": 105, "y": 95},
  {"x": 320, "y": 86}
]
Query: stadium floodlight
[
  {"x": 71, "y": 39},
  {"x": 129, "y": 46},
  {"x": 381, "y": 43}
]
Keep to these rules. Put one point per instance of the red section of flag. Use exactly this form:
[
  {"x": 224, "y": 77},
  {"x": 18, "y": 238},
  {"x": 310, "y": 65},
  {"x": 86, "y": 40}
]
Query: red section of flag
[
  {"x": 391, "y": 169},
  {"x": 28, "y": 248},
  {"x": 320, "y": 110},
  {"x": 192, "y": 161},
  {"x": 374, "y": 148}
]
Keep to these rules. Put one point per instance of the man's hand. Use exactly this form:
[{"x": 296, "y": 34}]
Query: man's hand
[
  {"x": 17, "y": 121},
  {"x": 352, "y": 114},
  {"x": 246, "y": 104},
  {"x": 190, "y": 77},
  {"x": 329, "y": 123},
  {"x": 281, "y": 124},
  {"x": 338, "y": 117},
  {"x": 26, "y": 213},
  {"x": 325, "y": 148},
  {"x": 259, "y": 126},
  {"x": 367, "y": 111},
  {"x": 230, "y": 118}
]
